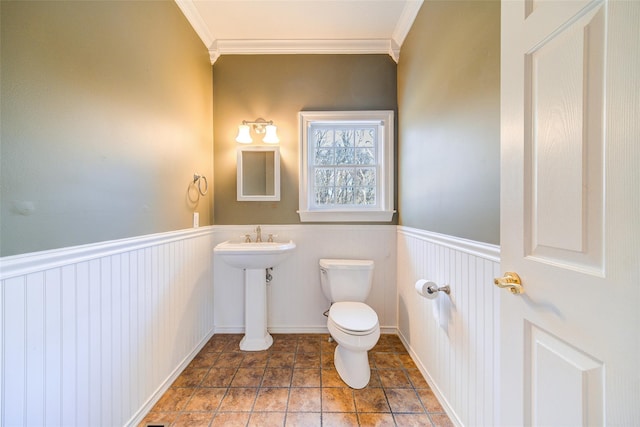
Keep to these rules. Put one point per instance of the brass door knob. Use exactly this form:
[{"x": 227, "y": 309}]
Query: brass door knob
[{"x": 510, "y": 281}]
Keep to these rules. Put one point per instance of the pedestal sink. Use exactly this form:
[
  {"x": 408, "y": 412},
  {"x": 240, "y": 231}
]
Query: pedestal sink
[{"x": 254, "y": 258}]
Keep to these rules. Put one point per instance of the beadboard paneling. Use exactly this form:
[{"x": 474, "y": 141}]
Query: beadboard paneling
[
  {"x": 295, "y": 298},
  {"x": 453, "y": 339},
  {"x": 91, "y": 335}
]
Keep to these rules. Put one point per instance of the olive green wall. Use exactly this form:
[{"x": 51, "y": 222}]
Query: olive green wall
[
  {"x": 277, "y": 87},
  {"x": 106, "y": 115},
  {"x": 449, "y": 120}
]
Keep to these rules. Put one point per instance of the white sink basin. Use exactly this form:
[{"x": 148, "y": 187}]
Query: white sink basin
[{"x": 254, "y": 254}]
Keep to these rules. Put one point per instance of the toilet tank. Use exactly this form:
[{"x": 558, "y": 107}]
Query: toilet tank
[{"x": 346, "y": 279}]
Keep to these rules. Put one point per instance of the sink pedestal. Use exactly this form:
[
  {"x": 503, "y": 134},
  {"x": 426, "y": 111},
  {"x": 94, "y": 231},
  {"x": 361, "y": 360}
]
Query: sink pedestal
[
  {"x": 254, "y": 259},
  {"x": 256, "y": 336}
]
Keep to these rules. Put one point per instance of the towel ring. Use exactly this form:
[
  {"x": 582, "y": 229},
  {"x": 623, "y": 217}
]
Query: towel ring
[{"x": 197, "y": 178}]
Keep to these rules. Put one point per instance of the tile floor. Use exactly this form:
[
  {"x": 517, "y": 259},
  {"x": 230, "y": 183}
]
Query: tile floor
[{"x": 294, "y": 383}]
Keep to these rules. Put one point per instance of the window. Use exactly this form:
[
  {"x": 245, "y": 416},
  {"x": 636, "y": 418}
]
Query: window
[{"x": 346, "y": 166}]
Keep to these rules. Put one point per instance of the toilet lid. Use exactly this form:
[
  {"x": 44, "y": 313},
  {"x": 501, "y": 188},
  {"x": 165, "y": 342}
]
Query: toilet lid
[{"x": 353, "y": 316}]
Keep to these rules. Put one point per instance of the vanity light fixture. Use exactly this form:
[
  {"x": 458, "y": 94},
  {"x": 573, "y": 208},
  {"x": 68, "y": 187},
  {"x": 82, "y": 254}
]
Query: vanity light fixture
[{"x": 260, "y": 126}]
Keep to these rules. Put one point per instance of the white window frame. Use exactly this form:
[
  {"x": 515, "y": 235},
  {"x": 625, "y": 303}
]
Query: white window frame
[{"x": 383, "y": 210}]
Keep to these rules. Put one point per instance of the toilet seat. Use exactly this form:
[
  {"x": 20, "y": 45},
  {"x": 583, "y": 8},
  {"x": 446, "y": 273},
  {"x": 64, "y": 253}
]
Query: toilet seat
[{"x": 353, "y": 318}]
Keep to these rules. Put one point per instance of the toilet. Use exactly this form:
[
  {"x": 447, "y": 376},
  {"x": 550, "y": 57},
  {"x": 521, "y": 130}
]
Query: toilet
[{"x": 352, "y": 323}]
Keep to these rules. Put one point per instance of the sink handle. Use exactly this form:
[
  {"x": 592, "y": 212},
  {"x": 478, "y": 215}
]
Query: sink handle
[
  {"x": 271, "y": 236},
  {"x": 247, "y": 238}
]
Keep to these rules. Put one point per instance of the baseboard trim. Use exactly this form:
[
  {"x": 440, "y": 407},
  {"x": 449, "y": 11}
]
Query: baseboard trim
[
  {"x": 155, "y": 397},
  {"x": 294, "y": 330},
  {"x": 434, "y": 387}
]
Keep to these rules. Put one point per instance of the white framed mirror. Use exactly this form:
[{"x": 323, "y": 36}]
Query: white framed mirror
[{"x": 258, "y": 174}]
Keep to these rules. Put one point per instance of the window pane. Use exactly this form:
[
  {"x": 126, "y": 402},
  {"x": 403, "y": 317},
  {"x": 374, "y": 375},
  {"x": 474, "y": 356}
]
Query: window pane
[
  {"x": 366, "y": 177},
  {"x": 345, "y": 156},
  {"x": 345, "y": 177},
  {"x": 344, "y": 195},
  {"x": 324, "y": 177},
  {"x": 365, "y": 156},
  {"x": 366, "y": 196},
  {"x": 344, "y": 137},
  {"x": 324, "y": 156},
  {"x": 322, "y": 137},
  {"x": 366, "y": 137},
  {"x": 324, "y": 195}
]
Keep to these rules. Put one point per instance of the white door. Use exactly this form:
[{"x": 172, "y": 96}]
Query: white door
[{"x": 570, "y": 213}]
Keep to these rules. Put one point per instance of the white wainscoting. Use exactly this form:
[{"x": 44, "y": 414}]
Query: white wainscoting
[
  {"x": 453, "y": 339},
  {"x": 295, "y": 298},
  {"x": 92, "y": 335}
]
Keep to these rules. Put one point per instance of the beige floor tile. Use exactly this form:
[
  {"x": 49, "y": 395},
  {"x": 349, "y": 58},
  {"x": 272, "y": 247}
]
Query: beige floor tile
[
  {"x": 306, "y": 378},
  {"x": 331, "y": 378},
  {"x": 206, "y": 399},
  {"x": 248, "y": 377},
  {"x": 376, "y": 420},
  {"x": 193, "y": 419},
  {"x": 218, "y": 377},
  {"x": 190, "y": 377},
  {"x": 417, "y": 380},
  {"x": 281, "y": 360},
  {"x": 233, "y": 343},
  {"x": 371, "y": 400},
  {"x": 307, "y": 360},
  {"x": 374, "y": 381},
  {"x": 326, "y": 360},
  {"x": 412, "y": 420},
  {"x": 394, "y": 378},
  {"x": 230, "y": 419},
  {"x": 277, "y": 377},
  {"x": 407, "y": 361},
  {"x": 305, "y": 400},
  {"x": 204, "y": 360},
  {"x": 339, "y": 420},
  {"x": 441, "y": 420},
  {"x": 229, "y": 360},
  {"x": 266, "y": 419},
  {"x": 387, "y": 360},
  {"x": 404, "y": 400},
  {"x": 255, "y": 360},
  {"x": 338, "y": 400},
  {"x": 429, "y": 400},
  {"x": 309, "y": 346},
  {"x": 328, "y": 347},
  {"x": 303, "y": 419},
  {"x": 174, "y": 399},
  {"x": 272, "y": 400},
  {"x": 238, "y": 400}
]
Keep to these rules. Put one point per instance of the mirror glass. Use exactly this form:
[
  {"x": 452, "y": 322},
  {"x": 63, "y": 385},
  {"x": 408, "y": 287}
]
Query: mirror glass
[{"x": 258, "y": 173}]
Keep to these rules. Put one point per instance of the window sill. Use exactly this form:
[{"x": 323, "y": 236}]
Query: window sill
[{"x": 345, "y": 216}]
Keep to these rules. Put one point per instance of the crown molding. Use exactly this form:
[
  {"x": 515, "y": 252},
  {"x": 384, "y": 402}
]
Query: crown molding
[
  {"x": 405, "y": 22},
  {"x": 190, "y": 11},
  {"x": 289, "y": 47},
  {"x": 217, "y": 47}
]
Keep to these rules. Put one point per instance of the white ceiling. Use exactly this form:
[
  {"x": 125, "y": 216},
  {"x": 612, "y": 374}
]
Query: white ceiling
[{"x": 229, "y": 27}]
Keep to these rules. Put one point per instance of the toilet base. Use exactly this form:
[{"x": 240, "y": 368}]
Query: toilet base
[{"x": 352, "y": 366}]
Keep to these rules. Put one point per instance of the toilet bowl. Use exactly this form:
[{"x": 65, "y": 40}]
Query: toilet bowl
[
  {"x": 354, "y": 326},
  {"x": 352, "y": 323}
]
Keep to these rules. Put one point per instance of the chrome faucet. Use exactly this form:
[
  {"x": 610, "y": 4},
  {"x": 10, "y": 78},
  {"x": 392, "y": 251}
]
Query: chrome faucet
[{"x": 258, "y": 234}]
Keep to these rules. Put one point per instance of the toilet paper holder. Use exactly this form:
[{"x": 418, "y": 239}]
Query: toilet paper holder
[
  {"x": 434, "y": 289},
  {"x": 430, "y": 289}
]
